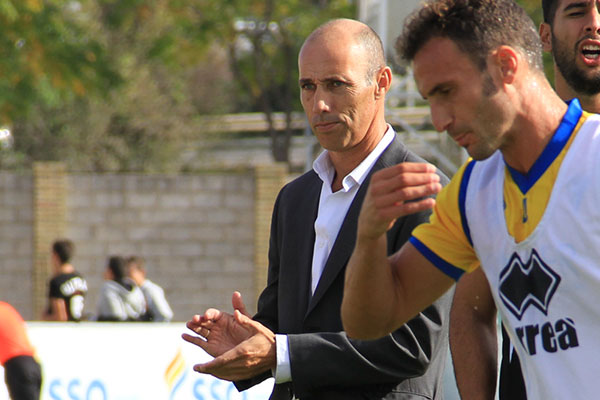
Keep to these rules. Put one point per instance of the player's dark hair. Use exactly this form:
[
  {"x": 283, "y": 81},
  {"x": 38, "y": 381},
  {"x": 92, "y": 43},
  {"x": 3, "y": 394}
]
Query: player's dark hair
[
  {"x": 549, "y": 8},
  {"x": 476, "y": 26},
  {"x": 64, "y": 250}
]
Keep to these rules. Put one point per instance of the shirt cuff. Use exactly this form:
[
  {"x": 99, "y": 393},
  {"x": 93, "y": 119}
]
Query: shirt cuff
[{"x": 283, "y": 372}]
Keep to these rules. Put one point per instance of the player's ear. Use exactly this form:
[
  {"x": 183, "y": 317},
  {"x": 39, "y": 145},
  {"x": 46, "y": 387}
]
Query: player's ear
[
  {"x": 507, "y": 61},
  {"x": 546, "y": 36},
  {"x": 383, "y": 81}
]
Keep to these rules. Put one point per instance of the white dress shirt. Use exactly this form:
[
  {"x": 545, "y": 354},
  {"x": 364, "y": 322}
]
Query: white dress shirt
[{"x": 332, "y": 211}]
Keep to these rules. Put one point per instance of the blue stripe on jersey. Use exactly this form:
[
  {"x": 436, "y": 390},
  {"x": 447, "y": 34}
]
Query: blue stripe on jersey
[
  {"x": 462, "y": 195},
  {"x": 445, "y": 267},
  {"x": 552, "y": 150}
]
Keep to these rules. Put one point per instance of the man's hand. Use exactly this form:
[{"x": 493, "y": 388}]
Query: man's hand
[
  {"x": 218, "y": 331},
  {"x": 392, "y": 193},
  {"x": 242, "y": 348},
  {"x": 251, "y": 357}
]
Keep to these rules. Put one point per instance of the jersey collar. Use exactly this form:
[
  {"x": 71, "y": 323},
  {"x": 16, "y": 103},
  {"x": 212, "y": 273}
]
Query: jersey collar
[{"x": 552, "y": 150}]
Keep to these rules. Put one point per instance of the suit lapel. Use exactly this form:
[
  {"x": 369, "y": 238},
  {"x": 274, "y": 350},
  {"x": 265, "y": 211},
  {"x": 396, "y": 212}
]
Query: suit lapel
[
  {"x": 344, "y": 243},
  {"x": 306, "y": 209}
]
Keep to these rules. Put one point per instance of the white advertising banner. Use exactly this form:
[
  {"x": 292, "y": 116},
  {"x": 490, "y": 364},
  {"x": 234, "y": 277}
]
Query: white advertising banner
[{"x": 125, "y": 361}]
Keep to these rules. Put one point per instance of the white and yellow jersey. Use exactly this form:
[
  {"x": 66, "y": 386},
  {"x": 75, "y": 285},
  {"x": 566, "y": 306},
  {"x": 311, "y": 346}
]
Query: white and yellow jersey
[
  {"x": 446, "y": 240},
  {"x": 537, "y": 238}
]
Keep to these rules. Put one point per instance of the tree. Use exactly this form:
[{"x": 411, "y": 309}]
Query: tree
[
  {"x": 140, "y": 123},
  {"x": 118, "y": 85},
  {"x": 46, "y": 57},
  {"x": 262, "y": 39}
]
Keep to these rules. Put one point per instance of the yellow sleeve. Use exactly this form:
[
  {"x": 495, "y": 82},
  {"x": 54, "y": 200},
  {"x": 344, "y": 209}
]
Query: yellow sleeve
[{"x": 443, "y": 240}]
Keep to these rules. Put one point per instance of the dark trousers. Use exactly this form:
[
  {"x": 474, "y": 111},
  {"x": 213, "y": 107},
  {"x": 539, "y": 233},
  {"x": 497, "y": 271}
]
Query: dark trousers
[
  {"x": 512, "y": 385},
  {"x": 23, "y": 376}
]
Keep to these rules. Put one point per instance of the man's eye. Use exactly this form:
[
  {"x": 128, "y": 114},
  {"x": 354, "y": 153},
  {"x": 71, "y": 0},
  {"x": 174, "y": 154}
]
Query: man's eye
[
  {"x": 307, "y": 86},
  {"x": 336, "y": 84}
]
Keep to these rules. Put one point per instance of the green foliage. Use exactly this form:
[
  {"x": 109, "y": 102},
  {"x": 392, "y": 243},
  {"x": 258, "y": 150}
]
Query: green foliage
[
  {"x": 45, "y": 56},
  {"x": 262, "y": 39},
  {"x": 114, "y": 85}
]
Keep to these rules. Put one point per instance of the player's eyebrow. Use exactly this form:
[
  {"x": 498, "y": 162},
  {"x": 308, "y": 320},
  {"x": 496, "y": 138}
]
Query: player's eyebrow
[
  {"x": 434, "y": 90},
  {"x": 575, "y": 5}
]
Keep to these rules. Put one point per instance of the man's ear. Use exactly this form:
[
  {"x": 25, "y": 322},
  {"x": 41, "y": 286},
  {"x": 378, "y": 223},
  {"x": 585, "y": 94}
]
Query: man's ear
[
  {"x": 384, "y": 82},
  {"x": 546, "y": 36},
  {"x": 507, "y": 62}
]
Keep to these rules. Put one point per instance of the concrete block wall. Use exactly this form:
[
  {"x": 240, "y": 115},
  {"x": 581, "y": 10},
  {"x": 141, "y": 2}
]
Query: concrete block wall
[
  {"x": 195, "y": 232},
  {"x": 16, "y": 240},
  {"x": 203, "y": 236}
]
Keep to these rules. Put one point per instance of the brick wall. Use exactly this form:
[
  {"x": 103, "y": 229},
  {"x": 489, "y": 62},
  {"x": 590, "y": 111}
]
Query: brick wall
[{"x": 198, "y": 233}]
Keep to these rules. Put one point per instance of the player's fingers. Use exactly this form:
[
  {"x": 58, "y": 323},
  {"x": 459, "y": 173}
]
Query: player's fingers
[
  {"x": 382, "y": 187},
  {"x": 404, "y": 167},
  {"x": 411, "y": 193},
  {"x": 412, "y": 207},
  {"x": 405, "y": 194}
]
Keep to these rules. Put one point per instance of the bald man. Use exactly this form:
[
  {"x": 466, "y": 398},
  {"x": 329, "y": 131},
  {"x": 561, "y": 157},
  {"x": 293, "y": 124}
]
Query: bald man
[{"x": 297, "y": 334}]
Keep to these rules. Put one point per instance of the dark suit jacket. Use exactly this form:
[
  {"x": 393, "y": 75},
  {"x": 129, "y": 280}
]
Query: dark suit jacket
[{"x": 325, "y": 364}]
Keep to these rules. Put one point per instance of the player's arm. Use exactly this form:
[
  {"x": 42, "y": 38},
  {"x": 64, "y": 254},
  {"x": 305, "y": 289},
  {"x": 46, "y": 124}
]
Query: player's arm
[
  {"x": 383, "y": 293},
  {"x": 58, "y": 310},
  {"x": 473, "y": 340}
]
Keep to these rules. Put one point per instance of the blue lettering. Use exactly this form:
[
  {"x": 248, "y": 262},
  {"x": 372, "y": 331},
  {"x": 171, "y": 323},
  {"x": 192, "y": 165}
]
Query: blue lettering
[
  {"x": 198, "y": 384},
  {"x": 96, "y": 385},
  {"x": 53, "y": 386},
  {"x": 70, "y": 389},
  {"x": 213, "y": 389}
]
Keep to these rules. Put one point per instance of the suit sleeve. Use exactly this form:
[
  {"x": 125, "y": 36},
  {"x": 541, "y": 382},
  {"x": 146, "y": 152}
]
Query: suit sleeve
[{"x": 406, "y": 353}]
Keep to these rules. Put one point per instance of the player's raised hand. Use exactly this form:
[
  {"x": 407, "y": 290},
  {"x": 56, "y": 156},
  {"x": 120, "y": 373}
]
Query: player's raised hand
[{"x": 395, "y": 192}]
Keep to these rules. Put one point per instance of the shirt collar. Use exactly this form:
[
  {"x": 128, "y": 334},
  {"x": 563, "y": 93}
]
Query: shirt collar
[{"x": 325, "y": 170}]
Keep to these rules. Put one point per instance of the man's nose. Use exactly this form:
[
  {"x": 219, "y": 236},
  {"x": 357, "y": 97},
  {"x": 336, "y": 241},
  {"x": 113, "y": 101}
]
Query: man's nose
[
  {"x": 321, "y": 101},
  {"x": 593, "y": 20},
  {"x": 440, "y": 117}
]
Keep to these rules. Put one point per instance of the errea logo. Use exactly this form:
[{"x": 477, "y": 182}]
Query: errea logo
[
  {"x": 527, "y": 284},
  {"x": 533, "y": 284}
]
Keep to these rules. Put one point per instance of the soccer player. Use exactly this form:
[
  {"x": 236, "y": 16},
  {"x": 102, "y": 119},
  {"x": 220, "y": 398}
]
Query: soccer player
[
  {"x": 571, "y": 31},
  {"x": 524, "y": 209}
]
